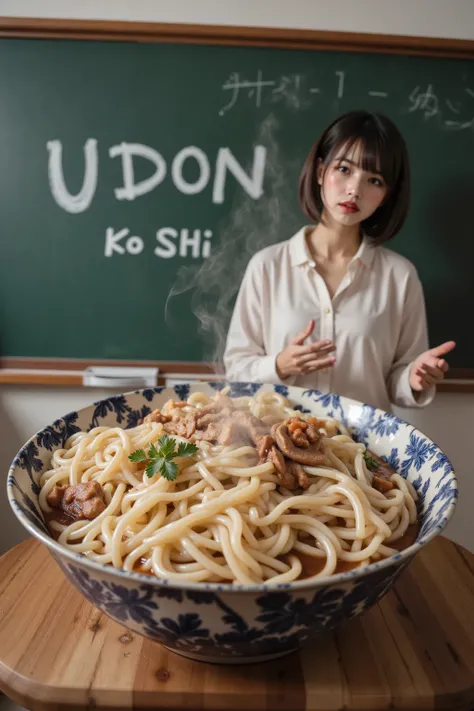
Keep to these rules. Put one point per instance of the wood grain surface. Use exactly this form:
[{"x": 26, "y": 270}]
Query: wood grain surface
[{"x": 413, "y": 650}]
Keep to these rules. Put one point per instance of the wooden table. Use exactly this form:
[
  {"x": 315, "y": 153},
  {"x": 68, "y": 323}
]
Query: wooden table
[{"x": 414, "y": 650}]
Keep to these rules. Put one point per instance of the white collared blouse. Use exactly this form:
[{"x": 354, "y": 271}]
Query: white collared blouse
[{"x": 376, "y": 319}]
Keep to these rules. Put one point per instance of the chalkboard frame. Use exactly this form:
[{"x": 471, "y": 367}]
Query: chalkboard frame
[{"x": 14, "y": 369}]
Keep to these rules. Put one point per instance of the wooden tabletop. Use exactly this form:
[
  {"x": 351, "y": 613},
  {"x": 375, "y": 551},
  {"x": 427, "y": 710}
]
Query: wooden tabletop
[{"x": 413, "y": 650}]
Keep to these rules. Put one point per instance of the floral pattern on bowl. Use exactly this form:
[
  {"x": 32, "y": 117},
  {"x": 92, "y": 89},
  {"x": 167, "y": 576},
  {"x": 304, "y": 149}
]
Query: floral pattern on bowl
[{"x": 240, "y": 623}]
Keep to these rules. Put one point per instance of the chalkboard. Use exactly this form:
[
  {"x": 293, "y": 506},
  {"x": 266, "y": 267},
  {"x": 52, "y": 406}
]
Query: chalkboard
[{"x": 137, "y": 179}]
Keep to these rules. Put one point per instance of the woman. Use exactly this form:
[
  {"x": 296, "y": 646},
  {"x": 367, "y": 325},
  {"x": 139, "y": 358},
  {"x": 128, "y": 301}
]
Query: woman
[{"x": 330, "y": 308}]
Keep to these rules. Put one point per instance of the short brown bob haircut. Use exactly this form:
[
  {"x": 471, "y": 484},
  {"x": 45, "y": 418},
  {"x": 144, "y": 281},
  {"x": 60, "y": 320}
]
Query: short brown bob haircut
[{"x": 383, "y": 151}]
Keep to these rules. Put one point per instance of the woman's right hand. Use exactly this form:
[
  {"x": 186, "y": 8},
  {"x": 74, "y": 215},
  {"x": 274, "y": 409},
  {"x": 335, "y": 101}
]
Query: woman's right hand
[{"x": 299, "y": 359}]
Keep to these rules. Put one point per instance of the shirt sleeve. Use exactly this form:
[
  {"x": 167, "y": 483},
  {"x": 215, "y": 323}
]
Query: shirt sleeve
[
  {"x": 413, "y": 341},
  {"x": 245, "y": 358}
]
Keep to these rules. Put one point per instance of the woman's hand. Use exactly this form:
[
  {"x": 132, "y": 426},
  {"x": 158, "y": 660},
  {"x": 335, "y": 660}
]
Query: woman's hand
[
  {"x": 429, "y": 368},
  {"x": 297, "y": 358}
]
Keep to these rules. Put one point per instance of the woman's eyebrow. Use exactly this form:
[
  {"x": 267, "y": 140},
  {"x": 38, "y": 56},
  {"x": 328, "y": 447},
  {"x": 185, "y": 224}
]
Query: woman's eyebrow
[{"x": 351, "y": 162}]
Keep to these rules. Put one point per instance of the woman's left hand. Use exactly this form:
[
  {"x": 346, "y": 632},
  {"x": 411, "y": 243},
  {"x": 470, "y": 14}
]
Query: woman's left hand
[{"x": 429, "y": 368}]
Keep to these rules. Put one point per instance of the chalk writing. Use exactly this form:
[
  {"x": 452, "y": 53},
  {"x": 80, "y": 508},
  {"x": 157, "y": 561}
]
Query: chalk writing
[
  {"x": 425, "y": 101},
  {"x": 460, "y": 124},
  {"x": 288, "y": 90},
  {"x": 253, "y": 88},
  {"x": 225, "y": 163},
  {"x": 295, "y": 91}
]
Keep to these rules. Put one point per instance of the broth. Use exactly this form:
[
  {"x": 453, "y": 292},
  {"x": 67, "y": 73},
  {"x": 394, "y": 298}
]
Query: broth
[{"x": 313, "y": 566}]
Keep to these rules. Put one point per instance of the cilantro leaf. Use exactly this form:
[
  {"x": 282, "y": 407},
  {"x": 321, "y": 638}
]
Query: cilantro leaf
[
  {"x": 160, "y": 460},
  {"x": 153, "y": 452},
  {"x": 167, "y": 447},
  {"x": 138, "y": 456},
  {"x": 169, "y": 469},
  {"x": 371, "y": 463},
  {"x": 186, "y": 449},
  {"x": 153, "y": 467}
]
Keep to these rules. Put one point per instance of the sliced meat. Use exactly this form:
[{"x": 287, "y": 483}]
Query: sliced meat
[
  {"x": 311, "y": 456},
  {"x": 210, "y": 434},
  {"x": 79, "y": 501},
  {"x": 263, "y": 446},
  {"x": 190, "y": 426},
  {"x": 204, "y": 420},
  {"x": 231, "y": 433},
  {"x": 298, "y": 472},
  {"x": 224, "y": 432},
  {"x": 55, "y": 496},
  {"x": 229, "y": 426},
  {"x": 382, "y": 485},
  {"x": 312, "y": 433},
  {"x": 276, "y": 458},
  {"x": 303, "y": 432},
  {"x": 156, "y": 416},
  {"x": 171, "y": 405},
  {"x": 254, "y": 426},
  {"x": 299, "y": 438},
  {"x": 184, "y": 427}
]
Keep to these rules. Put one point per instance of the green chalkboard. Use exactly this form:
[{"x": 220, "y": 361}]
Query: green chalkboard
[{"x": 139, "y": 257}]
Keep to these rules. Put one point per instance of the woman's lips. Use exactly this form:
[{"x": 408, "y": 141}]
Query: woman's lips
[{"x": 348, "y": 207}]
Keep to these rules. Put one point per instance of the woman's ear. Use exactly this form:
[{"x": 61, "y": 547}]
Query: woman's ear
[{"x": 320, "y": 171}]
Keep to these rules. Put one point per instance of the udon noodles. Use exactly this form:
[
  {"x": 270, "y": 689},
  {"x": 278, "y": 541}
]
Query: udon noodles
[{"x": 228, "y": 516}]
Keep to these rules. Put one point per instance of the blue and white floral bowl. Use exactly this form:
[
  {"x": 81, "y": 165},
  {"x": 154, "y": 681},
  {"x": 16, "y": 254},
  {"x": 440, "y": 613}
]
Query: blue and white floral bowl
[{"x": 238, "y": 624}]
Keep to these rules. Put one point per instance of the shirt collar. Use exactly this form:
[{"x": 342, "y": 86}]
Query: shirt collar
[{"x": 299, "y": 252}]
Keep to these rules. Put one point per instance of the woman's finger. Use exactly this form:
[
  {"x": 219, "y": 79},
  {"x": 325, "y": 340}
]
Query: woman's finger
[
  {"x": 432, "y": 373},
  {"x": 318, "y": 364},
  {"x": 442, "y": 365},
  {"x": 430, "y": 370},
  {"x": 429, "y": 380},
  {"x": 300, "y": 337},
  {"x": 316, "y": 347},
  {"x": 443, "y": 349},
  {"x": 308, "y": 357}
]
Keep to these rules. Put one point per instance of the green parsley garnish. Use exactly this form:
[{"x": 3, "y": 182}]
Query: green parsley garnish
[
  {"x": 371, "y": 463},
  {"x": 161, "y": 460}
]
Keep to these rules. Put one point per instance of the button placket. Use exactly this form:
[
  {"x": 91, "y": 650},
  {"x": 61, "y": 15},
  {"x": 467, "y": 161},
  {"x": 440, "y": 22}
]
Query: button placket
[{"x": 327, "y": 329}]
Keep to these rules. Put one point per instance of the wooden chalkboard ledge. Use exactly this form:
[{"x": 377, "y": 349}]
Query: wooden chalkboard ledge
[
  {"x": 74, "y": 378},
  {"x": 69, "y": 372},
  {"x": 116, "y": 30}
]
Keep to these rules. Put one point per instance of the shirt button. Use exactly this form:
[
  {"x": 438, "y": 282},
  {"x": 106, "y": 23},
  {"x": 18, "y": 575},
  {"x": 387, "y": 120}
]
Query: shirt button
[{"x": 327, "y": 311}]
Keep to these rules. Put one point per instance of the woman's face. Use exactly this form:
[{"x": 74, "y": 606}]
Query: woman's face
[{"x": 350, "y": 195}]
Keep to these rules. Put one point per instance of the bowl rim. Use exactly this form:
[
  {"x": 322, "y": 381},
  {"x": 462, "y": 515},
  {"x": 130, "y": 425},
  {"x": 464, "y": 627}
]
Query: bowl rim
[{"x": 354, "y": 575}]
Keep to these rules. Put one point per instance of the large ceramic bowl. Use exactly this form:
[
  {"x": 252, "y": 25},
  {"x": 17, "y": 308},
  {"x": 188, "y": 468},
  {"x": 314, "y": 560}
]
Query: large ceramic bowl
[{"x": 224, "y": 623}]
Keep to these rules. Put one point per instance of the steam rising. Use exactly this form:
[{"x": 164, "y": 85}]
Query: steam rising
[{"x": 252, "y": 225}]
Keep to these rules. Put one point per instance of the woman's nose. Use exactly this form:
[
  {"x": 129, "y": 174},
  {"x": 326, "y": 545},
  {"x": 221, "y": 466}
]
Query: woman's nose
[{"x": 354, "y": 188}]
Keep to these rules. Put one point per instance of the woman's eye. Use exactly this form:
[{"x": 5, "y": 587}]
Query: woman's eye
[
  {"x": 376, "y": 181},
  {"x": 343, "y": 169}
]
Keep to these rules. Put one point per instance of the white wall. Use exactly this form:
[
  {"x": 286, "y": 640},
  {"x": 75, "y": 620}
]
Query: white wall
[
  {"x": 435, "y": 18},
  {"x": 25, "y": 410}
]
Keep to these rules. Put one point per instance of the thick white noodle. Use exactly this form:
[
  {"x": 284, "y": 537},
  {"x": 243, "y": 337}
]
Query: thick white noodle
[{"x": 226, "y": 518}]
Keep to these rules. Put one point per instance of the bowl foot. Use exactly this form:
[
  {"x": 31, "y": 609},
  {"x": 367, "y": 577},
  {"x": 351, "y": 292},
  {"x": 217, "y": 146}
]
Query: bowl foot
[{"x": 230, "y": 660}]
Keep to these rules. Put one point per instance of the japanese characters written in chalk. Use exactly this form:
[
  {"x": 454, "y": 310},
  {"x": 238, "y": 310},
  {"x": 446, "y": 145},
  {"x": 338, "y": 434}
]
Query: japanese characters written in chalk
[{"x": 295, "y": 91}]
